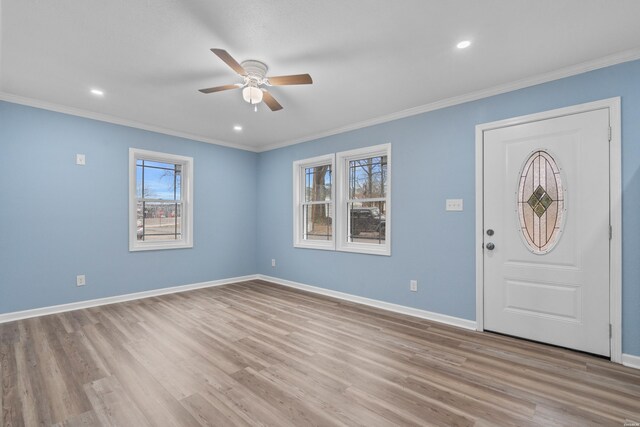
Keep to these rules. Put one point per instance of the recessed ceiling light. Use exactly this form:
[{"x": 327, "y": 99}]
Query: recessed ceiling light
[
  {"x": 97, "y": 92},
  {"x": 237, "y": 128},
  {"x": 463, "y": 44}
]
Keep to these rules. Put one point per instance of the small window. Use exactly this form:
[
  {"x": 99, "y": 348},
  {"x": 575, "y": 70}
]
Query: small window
[
  {"x": 160, "y": 201},
  {"x": 313, "y": 203},
  {"x": 363, "y": 200}
]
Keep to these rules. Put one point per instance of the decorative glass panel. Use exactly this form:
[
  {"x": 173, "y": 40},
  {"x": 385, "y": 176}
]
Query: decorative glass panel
[{"x": 541, "y": 203}]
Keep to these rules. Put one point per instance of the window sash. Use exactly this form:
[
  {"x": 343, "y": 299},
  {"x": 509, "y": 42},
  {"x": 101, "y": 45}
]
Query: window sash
[
  {"x": 377, "y": 168},
  {"x": 301, "y": 205},
  {"x": 178, "y": 223},
  {"x": 375, "y": 199},
  {"x": 306, "y": 234},
  {"x": 327, "y": 202},
  {"x": 344, "y": 241}
]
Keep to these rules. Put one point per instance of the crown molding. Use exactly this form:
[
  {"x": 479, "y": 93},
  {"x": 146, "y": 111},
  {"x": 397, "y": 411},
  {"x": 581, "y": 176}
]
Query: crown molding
[
  {"x": 607, "y": 61},
  {"x": 30, "y": 102},
  {"x": 618, "y": 58}
]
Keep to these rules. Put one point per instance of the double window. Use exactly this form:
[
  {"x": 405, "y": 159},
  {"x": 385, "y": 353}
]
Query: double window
[
  {"x": 353, "y": 217},
  {"x": 160, "y": 200}
]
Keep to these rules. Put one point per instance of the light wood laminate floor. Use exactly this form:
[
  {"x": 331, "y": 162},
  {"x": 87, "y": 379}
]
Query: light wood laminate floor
[{"x": 255, "y": 353}]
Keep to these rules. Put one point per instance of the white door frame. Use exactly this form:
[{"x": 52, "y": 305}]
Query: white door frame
[{"x": 615, "y": 209}]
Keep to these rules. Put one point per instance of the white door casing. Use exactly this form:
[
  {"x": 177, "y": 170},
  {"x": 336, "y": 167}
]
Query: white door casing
[{"x": 569, "y": 294}]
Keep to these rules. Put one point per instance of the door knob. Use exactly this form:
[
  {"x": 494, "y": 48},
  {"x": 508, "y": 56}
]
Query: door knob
[{"x": 490, "y": 246}]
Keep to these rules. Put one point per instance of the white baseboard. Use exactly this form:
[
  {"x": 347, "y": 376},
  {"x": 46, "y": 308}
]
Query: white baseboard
[
  {"x": 18, "y": 315},
  {"x": 631, "y": 361},
  {"x": 415, "y": 312},
  {"x": 627, "y": 359}
]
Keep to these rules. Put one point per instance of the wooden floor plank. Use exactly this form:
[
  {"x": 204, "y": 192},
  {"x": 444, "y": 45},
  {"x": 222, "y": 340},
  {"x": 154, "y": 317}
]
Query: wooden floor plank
[
  {"x": 10, "y": 399},
  {"x": 210, "y": 414},
  {"x": 255, "y": 353},
  {"x": 111, "y": 405}
]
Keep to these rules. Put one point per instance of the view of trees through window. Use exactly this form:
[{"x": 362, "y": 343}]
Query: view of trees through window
[
  {"x": 366, "y": 205},
  {"x": 351, "y": 217},
  {"x": 317, "y": 208},
  {"x": 159, "y": 202}
]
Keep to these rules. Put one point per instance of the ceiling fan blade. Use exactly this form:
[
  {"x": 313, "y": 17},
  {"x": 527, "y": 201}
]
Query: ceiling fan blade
[
  {"x": 296, "y": 79},
  {"x": 220, "y": 88},
  {"x": 228, "y": 59},
  {"x": 270, "y": 101}
]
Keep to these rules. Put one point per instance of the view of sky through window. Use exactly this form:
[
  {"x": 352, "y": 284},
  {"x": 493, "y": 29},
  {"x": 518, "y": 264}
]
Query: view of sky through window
[{"x": 161, "y": 181}]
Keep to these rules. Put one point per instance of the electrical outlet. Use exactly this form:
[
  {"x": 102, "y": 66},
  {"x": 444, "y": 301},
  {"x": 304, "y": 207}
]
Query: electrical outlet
[
  {"x": 273, "y": 262},
  {"x": 80, "y": 280},
  {"x": 413, "y": 285},
  {"x": 80, "y": 160},
  {"x": 454, "y": 205}
]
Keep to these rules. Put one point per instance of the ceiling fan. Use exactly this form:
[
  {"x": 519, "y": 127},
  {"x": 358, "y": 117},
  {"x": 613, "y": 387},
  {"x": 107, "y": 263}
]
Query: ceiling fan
[{"x": 255, "y": 77}]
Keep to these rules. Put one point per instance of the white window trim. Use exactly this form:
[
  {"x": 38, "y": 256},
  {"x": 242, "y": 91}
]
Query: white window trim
[
  {"x": 187, "y": 193},
  {"x": 298, "y": 197},
  {"x": 342, "y": 178}
]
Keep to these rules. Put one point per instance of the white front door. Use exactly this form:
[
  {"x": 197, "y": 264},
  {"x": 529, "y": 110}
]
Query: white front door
[{"x": 546, "y": 225}]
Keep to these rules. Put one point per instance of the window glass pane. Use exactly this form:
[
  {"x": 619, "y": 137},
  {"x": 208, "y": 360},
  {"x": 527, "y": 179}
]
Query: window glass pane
[
  {"x": 161, "y": 165},
  {"x": 155, "y": 180},
  {"x": 178, "y": 185},
  {"x": 368, "y": 178},
  {"x": 317, "y": 183},
  {"x": 540, "y": 202},
  {"x": 159, "y": 221},
  {"x": 367, "y": 222},
  {"x": 139, "y": 180},
  {"x": 317, "y": 221}
]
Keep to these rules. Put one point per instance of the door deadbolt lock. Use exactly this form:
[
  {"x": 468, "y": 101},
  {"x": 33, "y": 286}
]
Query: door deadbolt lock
[{"x": 489, "y": 232}]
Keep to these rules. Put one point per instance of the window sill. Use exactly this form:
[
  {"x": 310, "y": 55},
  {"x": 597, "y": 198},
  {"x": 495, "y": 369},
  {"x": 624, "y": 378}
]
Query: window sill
[
  {"x": 159, "y": 247},
  {"x": 322, "y": 246},
  {"x": 365, "y": 249}
]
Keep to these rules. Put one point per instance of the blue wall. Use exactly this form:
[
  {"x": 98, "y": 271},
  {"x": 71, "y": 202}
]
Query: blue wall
[
  {"x": 433, "y": 158},
  {"x": 58, "y": 219}
]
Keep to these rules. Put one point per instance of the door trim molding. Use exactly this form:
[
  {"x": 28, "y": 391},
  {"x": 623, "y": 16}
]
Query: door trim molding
[{"x": 615, "y": 208}]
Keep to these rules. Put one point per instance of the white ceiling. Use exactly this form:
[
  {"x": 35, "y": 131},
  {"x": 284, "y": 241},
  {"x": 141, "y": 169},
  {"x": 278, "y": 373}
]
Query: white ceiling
[{"x": 369, "y": 59}]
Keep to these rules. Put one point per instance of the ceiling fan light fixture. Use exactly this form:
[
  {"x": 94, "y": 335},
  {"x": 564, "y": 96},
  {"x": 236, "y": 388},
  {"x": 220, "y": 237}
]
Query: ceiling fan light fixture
[
  {"x": 252, "y": 95},
  {"x": 254, "y": 75}
]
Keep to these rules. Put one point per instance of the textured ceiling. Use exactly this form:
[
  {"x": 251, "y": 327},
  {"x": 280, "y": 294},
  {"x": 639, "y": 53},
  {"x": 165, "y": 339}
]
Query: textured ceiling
[{"x": 368, "y": 58}]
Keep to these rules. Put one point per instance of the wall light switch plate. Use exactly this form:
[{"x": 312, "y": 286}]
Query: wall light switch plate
[
  {"x": 454, "y": 205},
  {"x": 80, "y": 160}
]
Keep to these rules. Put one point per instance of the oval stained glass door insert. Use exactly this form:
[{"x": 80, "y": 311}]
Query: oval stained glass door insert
[{"x": 541, "y": 202}]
